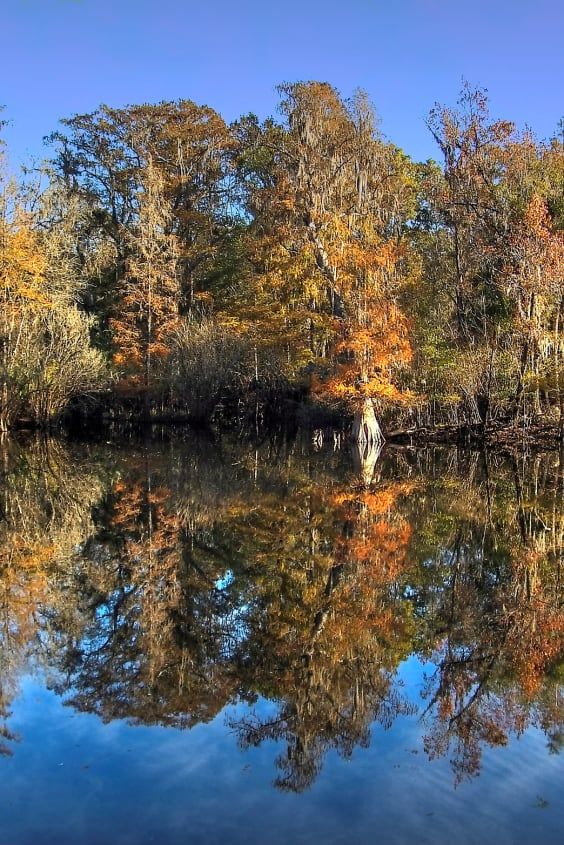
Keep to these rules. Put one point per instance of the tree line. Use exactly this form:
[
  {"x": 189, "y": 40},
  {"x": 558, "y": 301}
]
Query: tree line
[{"x": 165, "y": 264}]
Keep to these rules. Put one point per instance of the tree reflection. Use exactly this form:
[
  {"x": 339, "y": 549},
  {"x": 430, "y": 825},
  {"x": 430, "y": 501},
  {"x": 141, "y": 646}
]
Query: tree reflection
[
  {"x": 46, "y": 500},
  {"x": 332, "y": 629},
  {"x": 492, "y": 613},
  {"x": 163, "y": 583}
]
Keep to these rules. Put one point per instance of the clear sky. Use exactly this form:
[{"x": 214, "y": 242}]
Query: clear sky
[{"x": 60, "y": 57}]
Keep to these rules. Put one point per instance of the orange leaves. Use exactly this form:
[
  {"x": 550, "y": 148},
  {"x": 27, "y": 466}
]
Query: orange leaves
[
  {"x": 532, "y": 274},
  {"x": 377, "y": 535},
  {"x": 536, "y": 217},
  {"x": 374, "y": 345},
  {"x": 29, "y": 557},
  {"x": 327, "y": 224},
  {"x": 363, "y": 376},
  {"x": 535, "y": 622},
  {"x": 538, "y": 248},
  {"x": 384, "y": 256},
  {"x": 382, "y": 389},
  {"x": 377, "y": 501}
]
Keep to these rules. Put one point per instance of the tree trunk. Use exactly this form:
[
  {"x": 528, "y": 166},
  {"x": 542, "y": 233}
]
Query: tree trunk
[
  {"x": 368, "y": 441},
  {"x": 365, "y": 460},
  {"x": 366, "y": 431}
]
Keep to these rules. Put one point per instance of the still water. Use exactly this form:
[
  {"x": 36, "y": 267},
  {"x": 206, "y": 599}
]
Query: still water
[{"x": 222, "y": 643}]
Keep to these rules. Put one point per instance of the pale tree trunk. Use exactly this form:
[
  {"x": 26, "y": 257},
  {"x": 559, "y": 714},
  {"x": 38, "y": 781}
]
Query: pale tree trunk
[
  {"x": 366, "y": 429},
  {"x": 365, "y": 460},
  {"x": 367, "y": 440}
]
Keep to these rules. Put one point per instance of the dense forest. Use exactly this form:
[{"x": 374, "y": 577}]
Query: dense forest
[{"x": 163, "y": 265}]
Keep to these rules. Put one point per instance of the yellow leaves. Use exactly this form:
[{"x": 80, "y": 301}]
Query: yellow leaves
[
  {"x": 21, "y": 250},
  {"x": 203, "y": 298},
  {"x": 534, "y": 620},
  {"x": 378, "y": 534},
  {"x": 22, "y": 266},
  {"x": 383, "y": 389},
  {"x": 323, "y": 243},
  {"x": 385, "y": 498},
  {"x": 373, "y": 346},
  {"x": 386, "y": 256},
  {"x": 30, "y": 557},
  {"x": 359, "y": 341},
  {"x": 347, "y": 385}
]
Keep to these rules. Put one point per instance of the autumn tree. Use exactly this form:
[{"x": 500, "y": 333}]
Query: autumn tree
[
  {"x": 472, "y": 147},
  {"x": 487, "y": 598},
  {"x": 46, "y": 357},
  {"x": 478, "y": 342},
  {"x": 46, "y": 516},
  {"x": 165, "y": 584},
  {"x": 303, "y": 256},
  {"x": 103, "y": 156},
  {"x": 329, "y": 200},
  {"x": 150, "y": 291},
  {"x": 533, "y": 275}
]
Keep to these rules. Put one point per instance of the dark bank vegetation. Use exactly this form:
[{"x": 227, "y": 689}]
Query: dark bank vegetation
[{"x": 168, "y": 266}]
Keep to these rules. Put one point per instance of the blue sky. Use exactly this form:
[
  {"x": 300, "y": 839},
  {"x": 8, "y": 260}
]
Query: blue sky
[{"x": 61, "y": 57}]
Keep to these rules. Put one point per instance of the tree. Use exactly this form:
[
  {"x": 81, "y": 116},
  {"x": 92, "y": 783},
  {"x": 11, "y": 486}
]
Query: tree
[
  {"x": 472, "y": 147},
  {"x": 533, "y": 276},
  {"x": 329, "y": 200},
  {"x": 474, "y": 221},
  {"x": 150, "y": 291},
  {"x": 46, "y": 357},
  {"x": 102, "y": 157}
]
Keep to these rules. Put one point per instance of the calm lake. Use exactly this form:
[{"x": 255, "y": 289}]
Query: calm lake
[{"x": 221, "y": 643}]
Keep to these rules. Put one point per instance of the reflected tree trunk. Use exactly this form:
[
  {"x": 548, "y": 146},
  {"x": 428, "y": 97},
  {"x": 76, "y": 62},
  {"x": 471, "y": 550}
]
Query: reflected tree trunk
[{"x": 365, "y": 459}]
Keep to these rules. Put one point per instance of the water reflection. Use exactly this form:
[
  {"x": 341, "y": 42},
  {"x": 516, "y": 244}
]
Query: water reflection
[{"x": 158, "y": 584}]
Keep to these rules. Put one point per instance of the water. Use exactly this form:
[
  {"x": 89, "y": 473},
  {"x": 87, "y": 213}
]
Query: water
[{"x": 211, "y": 642}]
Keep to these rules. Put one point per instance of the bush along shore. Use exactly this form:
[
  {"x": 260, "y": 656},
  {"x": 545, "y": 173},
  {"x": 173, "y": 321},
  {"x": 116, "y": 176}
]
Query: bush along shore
[{"x": 167, "y": 267}]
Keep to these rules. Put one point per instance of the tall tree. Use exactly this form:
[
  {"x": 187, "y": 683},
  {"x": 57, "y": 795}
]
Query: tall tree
[
  {"x": 330, "y": 217},
  {"x": 150, "y": 291},
  {"x": 105, "y": 158}
]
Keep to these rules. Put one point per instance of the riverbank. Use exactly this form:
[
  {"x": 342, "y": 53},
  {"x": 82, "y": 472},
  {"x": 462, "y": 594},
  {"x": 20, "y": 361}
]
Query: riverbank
[{"x": 292, "y": 411}]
